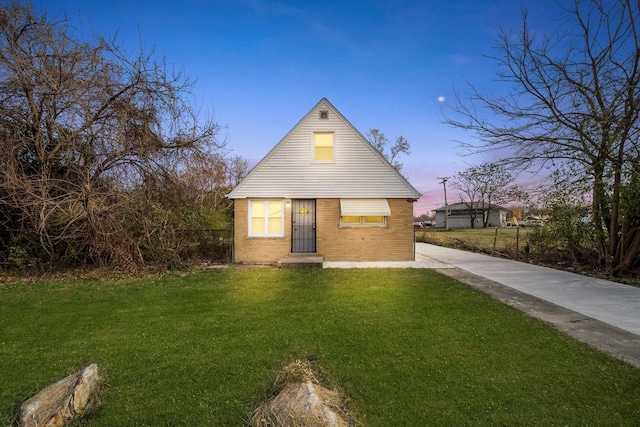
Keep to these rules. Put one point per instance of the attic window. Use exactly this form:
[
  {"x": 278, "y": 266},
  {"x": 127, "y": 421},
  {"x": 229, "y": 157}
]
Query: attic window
[
  {"x": 324, "y": 114},
  {"x": 323, "y": 146}
]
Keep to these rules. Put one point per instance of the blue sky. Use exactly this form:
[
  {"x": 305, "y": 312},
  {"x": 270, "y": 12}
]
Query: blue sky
[{"x": 261, "y": 65}]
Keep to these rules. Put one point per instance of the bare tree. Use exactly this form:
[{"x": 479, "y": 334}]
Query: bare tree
[
  {"x": 237, "y": 169},
  {"x": 80, "y": 123},
  {"x": 485, "y": 187},
  {"x": 574, "y": 104},
  {"x": 468, "y": 192},
  {"x": 380, "y": 142},
  {"x": 211, "y": 177}
]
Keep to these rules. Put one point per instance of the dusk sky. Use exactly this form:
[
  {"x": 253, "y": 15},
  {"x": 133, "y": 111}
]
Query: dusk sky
[{"x": 261, "y": 65}]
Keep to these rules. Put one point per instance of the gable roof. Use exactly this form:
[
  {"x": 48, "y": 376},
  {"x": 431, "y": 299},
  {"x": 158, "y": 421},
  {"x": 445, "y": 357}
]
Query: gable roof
[{"x": 358, "y": 169}]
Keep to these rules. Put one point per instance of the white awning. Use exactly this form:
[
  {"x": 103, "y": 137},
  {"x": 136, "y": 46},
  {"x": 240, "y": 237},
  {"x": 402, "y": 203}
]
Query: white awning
[{"x": 364, "y": 207}]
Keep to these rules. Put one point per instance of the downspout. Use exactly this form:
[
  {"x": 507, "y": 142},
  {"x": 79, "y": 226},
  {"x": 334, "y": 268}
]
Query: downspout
[
  {"x": 233, "y": 234},
  {"x": 414, "y": 242},
  {"x": 412, "y": 201}
]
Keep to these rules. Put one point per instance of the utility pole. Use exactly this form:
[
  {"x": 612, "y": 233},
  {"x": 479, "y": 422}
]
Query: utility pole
[{"x": 446, "y": 207}]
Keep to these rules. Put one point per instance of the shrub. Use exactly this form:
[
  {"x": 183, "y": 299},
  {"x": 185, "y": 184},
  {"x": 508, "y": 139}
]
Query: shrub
[{"x": 567, "y": 236}]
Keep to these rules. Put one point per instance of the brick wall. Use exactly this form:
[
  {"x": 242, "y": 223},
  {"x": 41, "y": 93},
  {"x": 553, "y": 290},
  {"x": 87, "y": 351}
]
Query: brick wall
[
  {"x": 391, "y": 243},
  {"x": 394, "y": 242},
  {"x": 258, "y": 250}
]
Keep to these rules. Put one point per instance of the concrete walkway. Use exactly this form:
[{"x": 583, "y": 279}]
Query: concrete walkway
[
  {"x": 609, "y": 302},
  {"x": 599, "y": 312}
]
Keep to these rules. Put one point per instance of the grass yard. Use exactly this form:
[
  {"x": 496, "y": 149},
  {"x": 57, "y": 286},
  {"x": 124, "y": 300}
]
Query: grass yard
[
  {"x": 506, "y": 240},
  {"x": 406, "y": 347}
]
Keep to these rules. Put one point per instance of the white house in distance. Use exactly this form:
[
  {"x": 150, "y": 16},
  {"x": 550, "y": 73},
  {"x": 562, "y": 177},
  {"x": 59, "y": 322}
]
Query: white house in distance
[
  {"x": 460, "y": 215},
  {"x": 323, "y": 190}
]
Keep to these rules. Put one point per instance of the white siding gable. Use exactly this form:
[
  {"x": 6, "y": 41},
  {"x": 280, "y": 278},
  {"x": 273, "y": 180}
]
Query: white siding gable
[{"x": 357, "y": 170}]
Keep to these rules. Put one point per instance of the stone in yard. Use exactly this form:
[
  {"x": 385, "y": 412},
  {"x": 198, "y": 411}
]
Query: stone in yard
[
  {"x": 301, "y": 402},
  {"x": 62, "y": 401},
  {"x": 307, "y": 404}
]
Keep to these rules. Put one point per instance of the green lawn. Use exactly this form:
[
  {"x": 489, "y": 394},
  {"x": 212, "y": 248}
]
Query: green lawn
[
  {"x": 406, "y": 347},
  {"x": 505, "y": 239}
]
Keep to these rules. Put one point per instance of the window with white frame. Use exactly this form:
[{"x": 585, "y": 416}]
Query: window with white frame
[
  {"x": 266, "y": 218},
  {"x": 323, "y": 146}
]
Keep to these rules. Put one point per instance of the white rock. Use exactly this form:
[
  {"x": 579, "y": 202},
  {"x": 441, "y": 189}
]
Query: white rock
[{"x": 62, "y": 401}]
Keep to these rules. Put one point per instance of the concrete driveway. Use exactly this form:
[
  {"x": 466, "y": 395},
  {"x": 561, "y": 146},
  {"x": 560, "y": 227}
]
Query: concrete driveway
[{"x": 609, "y": 302}]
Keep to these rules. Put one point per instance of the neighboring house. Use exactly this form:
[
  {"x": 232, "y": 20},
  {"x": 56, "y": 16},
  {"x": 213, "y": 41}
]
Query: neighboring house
[
  {"x": 323, "y": 189},
  {"x": 460, "y": 215}
]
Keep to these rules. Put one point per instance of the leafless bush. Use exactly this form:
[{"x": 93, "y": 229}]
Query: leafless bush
[{"x": 86, "y": 135}]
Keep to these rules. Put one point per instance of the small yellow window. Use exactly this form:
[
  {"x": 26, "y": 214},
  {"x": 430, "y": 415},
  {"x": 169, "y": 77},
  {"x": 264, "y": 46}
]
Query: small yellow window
[
  {"x": 323, "y": 146},
  {"x": 374, "y": 220},
  {"x": 363, "y": 221},
  {"x": 351, "y": 220}
]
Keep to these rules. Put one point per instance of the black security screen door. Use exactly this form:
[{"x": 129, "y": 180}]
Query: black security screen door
[{"x": 303, "y": 224}]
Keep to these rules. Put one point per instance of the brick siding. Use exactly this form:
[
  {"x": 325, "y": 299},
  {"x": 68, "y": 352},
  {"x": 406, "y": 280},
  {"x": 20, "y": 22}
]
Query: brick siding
[
  {"x": 257, "y": 250},
  {"x": 393, "y": 242}
]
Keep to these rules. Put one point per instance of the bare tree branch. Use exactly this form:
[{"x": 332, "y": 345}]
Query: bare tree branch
[
  {"x": 573, "y": 104},
  {"x": 81, "y": 124}
]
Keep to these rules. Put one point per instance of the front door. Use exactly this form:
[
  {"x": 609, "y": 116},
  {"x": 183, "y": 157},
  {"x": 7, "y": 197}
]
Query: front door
[{"x": 303, "y": 226}]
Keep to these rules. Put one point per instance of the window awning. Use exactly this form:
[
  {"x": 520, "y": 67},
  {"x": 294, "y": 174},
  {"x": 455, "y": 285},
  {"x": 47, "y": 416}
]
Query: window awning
[{"x": 364, "y": 207}]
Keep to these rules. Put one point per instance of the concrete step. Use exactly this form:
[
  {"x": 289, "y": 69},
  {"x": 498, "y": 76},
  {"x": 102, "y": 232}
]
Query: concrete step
[{"x": 301, "y": 260}]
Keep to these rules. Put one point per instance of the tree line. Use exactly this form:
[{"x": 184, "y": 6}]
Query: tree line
[
  {"x": 102, "y": 159},
  {"x": 572, "y": 109}
]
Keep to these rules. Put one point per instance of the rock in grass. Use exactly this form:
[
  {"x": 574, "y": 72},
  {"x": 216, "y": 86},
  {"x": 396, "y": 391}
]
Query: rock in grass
[
  {"x": 61, "y": 402},
  {"x": 301, "y": 402},
  {"x": 306, "y": 404}
]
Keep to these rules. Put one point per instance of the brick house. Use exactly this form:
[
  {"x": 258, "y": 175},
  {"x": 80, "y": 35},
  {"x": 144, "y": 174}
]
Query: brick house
[{"x": 325, "y": 190}]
